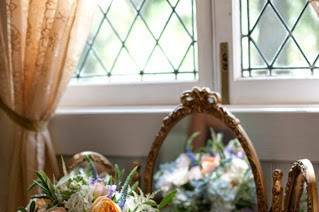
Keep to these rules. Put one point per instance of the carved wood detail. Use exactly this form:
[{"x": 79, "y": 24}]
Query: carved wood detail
[
  {"x": 301, "y": 173},
  {"x": 277, "y": 191},
  {"x": 100, "y": 161}
]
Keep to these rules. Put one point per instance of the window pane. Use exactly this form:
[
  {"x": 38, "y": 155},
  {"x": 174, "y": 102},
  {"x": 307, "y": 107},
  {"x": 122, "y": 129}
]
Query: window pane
[
  {"x": 279, "y": 38},
  {"x": 141, "y": 40}
]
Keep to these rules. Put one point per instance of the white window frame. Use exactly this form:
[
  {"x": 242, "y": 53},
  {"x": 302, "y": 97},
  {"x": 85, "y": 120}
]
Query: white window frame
[
  {"x": 86, "y": 94},
  {"x": 261, "y": 91}
]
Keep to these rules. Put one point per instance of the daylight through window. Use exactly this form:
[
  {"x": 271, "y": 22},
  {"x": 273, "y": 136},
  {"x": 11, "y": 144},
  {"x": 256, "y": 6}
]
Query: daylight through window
[
  {"x": 141, "y": 40},
  {"x": 279, "y": 38}
]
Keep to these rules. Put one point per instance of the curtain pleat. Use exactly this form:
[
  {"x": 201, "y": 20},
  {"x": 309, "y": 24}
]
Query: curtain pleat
[{"x": 41, "y": 42}]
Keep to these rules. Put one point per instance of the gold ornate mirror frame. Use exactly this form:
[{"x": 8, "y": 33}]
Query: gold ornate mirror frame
[{"x": 202, "y": 100}]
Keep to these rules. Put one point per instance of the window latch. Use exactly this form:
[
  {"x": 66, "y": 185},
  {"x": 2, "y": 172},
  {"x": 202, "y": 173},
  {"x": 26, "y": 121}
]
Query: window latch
[{"x": 224, "y": 69}]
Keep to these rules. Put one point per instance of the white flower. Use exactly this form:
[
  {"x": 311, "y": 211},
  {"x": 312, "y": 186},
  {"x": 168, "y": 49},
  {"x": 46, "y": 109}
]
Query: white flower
[
  {"x": 183, "y": 161},
  {"x": 181, "y": 197},
  {"x": 129, "y": 204},
  {"x": 195, "y": 173},
  {"x": 235, "y": 171},
  {"x": 179, "y": 177},
  {"x": 176, "y": 177},
  {"x": 139, "y": 202}
]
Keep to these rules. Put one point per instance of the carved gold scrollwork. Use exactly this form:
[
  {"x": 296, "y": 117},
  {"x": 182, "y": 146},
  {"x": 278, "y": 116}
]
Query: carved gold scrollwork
[
  {"x": 202, "y": 100},
  {"x": 277, "y": 191},
  {"x": 301, "y": 173}
]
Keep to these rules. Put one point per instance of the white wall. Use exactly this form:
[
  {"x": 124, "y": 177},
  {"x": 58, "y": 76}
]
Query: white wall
[{"x": 281, "y": 136}]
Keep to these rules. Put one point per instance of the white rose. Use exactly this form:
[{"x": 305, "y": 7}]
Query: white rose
[
  {"x": 179, "y": 176},
  {"x": 235, "y": 171},
  {"x": 183, "y": 161},
  {"x": 195, "y": 173}
]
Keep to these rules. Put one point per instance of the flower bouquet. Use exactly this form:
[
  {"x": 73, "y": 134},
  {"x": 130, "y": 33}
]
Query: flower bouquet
[
  {"x": 83, "y": 190},
  {"x": 214, "y": 178}
]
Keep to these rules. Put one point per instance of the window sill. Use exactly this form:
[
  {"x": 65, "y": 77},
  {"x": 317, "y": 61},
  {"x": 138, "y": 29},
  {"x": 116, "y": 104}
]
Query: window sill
[{"x": 164, "y": 109}]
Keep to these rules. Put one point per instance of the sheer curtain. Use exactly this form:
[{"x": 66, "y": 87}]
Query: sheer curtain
[
  {"x": 315, "y": 5},
  {"x": 40, "y": 42}
]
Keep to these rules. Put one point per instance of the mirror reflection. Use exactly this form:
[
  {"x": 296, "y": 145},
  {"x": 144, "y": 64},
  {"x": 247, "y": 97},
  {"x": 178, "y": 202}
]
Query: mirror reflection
[{"x": 205, "y": 165}]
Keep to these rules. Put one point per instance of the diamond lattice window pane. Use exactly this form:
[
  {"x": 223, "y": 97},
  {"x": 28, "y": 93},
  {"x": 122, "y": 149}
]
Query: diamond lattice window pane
[
  {"x": 279, "y": 38},
  {"x": 263, "y": 34},
  {"x": 181, "y": 41},
  {"x": 306, "y": 34},
  {"x": 142, "y": 40},
  {"x": 289, "y": 10}
]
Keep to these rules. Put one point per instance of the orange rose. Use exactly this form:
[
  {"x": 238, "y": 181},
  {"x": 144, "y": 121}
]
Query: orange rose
[
  {"x": 105, "y": 204},
  {"x": 208, "y": 164}
]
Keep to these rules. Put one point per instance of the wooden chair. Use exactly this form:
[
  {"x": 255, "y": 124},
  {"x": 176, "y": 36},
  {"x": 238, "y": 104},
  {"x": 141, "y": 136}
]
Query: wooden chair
[
  {"x": 103, "y": 165},
  {"x": 301, "y": 177}
]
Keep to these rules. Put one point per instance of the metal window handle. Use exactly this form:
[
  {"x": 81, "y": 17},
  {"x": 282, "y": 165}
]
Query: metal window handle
[{"x": 224, "y": 69}]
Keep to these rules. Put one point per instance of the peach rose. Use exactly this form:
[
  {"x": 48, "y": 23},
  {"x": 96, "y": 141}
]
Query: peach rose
[
  {"x": 208, "y": 164},
  {"x": 41, "y": 203},
  {"x": 105, "y": 204}
]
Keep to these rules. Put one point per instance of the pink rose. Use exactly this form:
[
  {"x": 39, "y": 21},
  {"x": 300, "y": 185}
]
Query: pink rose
[
  {"x": 209, "y": 163},
  {"x": 98, "y": 190}
]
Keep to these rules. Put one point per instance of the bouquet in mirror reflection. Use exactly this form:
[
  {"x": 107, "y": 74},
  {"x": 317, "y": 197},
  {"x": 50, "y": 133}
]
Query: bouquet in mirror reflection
[
  {"x": 84, "y": 190},
  {"x": 216, "y": 177}
]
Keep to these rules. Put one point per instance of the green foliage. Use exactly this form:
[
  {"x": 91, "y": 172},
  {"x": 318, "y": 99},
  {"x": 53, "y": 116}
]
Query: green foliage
[
  {"x": 118, "y": 175},
  {"x": 216, "y": 144},
  {"x": 189, "y": 142},
  {"x": 48, "y": 189},
  {"x": 168, "y": 199},
  {"x": 91, "y": 169},
  {"x": 126, "y": 185}
]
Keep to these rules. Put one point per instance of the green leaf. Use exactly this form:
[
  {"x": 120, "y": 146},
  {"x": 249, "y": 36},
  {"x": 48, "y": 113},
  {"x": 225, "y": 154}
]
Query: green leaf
[
  {"x": 118, "y": 176},
  {"x": 91, "y": 169},
  {"x": 124, "y": 190},
  {"x": 64, "y": 169},
  {"x": 168, "y": 199},
  {"x": 134, "y": 186},
  {"x": 189, "y": 142},
  {"x": 48, "y": 189},
  {"x": 32, "y": 206}
]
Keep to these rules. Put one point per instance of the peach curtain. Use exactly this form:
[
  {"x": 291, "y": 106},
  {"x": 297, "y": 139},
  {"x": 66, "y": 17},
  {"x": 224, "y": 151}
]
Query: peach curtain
[
  {"x": 315, "y": 5},
  {"x": 40, "y": 44}
]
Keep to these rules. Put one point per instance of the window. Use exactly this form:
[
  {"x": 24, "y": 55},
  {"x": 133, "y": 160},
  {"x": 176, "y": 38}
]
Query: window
[
  {"x": 137, "y": 46},
  {"x": 275, "y": 50},
  {"x": 279, "y": 38},
  {"x": 144, "y": 52}
]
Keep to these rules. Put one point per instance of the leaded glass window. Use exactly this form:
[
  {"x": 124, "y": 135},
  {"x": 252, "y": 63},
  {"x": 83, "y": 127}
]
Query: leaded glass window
[
  {"x": 279, "y": 38},
  {"x": 141, "y": 40}
]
